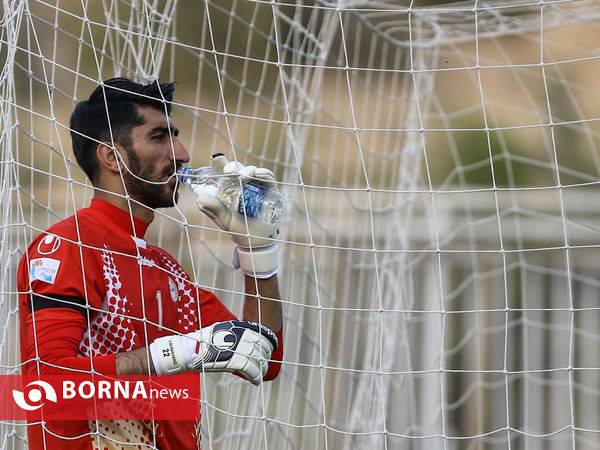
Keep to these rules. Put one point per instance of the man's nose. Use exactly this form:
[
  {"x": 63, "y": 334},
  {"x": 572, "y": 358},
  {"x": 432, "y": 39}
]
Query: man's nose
[{"x": 180, "y": 153}]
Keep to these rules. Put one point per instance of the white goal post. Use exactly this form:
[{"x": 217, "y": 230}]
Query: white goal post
[{"x": 440, "y": 266}]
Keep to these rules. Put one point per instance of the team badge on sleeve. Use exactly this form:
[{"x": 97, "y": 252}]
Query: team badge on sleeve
[{"x": 43, "y": 269}]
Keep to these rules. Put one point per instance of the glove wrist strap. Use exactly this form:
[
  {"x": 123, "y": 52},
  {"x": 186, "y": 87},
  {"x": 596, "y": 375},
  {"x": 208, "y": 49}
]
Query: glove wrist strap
[
  {"x": 258, "y": 262},
  {"x": 167, "y": 355}
]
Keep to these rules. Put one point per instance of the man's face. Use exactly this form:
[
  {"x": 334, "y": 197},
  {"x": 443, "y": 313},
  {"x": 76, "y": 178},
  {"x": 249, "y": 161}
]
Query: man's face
[{"x": 155, "y": 154}]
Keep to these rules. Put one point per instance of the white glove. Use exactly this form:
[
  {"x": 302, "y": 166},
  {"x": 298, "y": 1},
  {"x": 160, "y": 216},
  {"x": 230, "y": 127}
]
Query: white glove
[
  {"x": 255, "y": 254},
  {"x": 229, "y": 346}
]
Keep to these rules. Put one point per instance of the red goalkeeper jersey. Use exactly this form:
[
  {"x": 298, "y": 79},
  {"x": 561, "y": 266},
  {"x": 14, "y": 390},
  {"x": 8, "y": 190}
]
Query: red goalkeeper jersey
[{"x": 94, "y": 287}]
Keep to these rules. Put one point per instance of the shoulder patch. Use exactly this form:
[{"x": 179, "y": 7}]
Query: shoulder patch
[{"x": 43, "y": 269}]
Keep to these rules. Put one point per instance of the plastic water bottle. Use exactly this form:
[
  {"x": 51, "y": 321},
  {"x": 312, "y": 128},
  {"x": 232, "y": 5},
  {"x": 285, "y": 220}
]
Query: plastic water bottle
[{"x": 257, "y": 202}]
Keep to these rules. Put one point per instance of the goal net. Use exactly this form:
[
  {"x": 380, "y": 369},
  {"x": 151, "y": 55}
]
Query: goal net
[{"x": 440, "y": 270}]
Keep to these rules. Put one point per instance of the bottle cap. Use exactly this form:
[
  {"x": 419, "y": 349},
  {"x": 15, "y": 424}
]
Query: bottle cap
[{"x": 184, "y": 174}]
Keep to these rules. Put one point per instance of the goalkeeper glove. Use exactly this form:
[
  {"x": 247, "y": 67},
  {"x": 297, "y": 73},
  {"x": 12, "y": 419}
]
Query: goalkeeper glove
[
  {"x": 255, "y": 252},
  {"x": 230, "y": 346}
]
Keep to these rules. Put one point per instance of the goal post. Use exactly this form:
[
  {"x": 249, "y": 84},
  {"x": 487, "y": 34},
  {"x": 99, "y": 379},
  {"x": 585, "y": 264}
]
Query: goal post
[{"x": 440, "y": 164}]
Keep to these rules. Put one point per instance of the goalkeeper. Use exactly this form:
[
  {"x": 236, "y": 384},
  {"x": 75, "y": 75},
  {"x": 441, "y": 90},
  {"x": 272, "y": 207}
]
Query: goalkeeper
[{"x": 95, "y": 295}]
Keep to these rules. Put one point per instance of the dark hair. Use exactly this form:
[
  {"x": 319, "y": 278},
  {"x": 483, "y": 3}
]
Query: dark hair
[{"x": 113, "y": 102}]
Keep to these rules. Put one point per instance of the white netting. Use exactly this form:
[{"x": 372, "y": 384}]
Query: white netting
[{"x": 440, "y": 163}]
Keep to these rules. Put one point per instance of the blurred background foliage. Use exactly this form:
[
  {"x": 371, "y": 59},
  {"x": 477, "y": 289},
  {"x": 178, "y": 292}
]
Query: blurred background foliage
[{"x": 492, "y": 133}]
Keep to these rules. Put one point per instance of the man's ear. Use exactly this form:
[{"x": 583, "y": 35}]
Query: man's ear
[{"x": 108, "y": 157}]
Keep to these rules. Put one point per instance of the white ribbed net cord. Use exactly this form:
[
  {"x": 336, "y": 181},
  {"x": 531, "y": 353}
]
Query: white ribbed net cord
[{"x": 439, "y": 162}]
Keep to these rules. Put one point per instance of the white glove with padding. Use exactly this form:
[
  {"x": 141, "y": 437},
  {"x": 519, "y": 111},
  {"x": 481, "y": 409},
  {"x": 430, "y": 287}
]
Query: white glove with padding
[
  {"x": 256, "y": 250},
  {"x": 230, "y": 346}
]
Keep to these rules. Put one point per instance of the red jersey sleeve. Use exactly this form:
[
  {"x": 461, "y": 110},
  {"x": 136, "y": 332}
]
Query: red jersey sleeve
[
  {"x": 212, "y": 310},
  {"x": 57, "y": 272},
  {"x": 53, "y": 336},
  {"x": 56, "y": 265},
  {"x": 276, "y": 357}
]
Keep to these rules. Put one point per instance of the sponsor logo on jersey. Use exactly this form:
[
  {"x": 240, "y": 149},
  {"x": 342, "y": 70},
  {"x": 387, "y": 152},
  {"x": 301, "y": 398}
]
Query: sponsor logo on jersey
[
  {"x": 173, "y": 290},
  {"x": 48, "y": 245},
  {"x": 146, "y": 261},
  {"x": 43, "y": 269}
]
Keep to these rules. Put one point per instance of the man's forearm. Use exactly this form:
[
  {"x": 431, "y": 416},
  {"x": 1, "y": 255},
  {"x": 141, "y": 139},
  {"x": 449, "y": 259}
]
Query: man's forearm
[
  {"x": 134, "y": 362},
  {"x": 263, "y": 305}
]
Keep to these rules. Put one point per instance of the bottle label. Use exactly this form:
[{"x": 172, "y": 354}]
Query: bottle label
[{"x": 251, "y": 200}]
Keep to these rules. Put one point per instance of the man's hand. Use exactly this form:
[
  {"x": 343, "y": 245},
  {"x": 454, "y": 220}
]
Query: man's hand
[
  {"x": 229, "y": 346},
  {"x": 256, "y": 249}
]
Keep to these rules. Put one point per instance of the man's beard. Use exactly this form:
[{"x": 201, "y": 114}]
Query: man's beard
[{"x": 141, "y": 187}]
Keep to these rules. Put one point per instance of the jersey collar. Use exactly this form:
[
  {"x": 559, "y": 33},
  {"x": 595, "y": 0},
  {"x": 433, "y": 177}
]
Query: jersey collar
[{"x": 120, "y": 218}]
